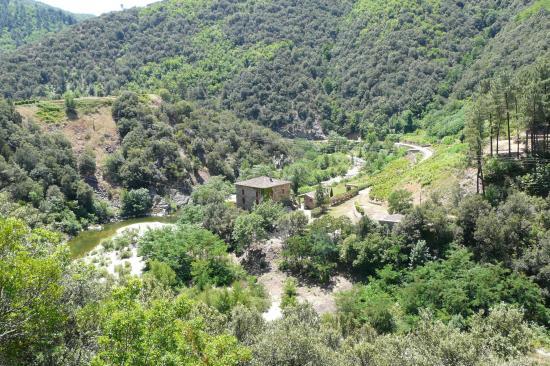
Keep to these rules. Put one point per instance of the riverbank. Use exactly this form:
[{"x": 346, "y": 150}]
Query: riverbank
[
  {"x": 122, "y": 259},
  {"x": 87, "y": 241}
]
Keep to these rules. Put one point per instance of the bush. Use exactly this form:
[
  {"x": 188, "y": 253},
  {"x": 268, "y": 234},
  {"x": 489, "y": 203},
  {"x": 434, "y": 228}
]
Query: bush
[
  {"x": 136, "y": 203},
  {"x": 292, "y": 223},
  {"x": 400, "y": 201},
  {"x": 196, "y": 255},
  {"x": 290, "y": 295},
  {"x": 270, "y": 212},
  {"x": 318, "y": 212},
  {"x": 87, "y": 163}
]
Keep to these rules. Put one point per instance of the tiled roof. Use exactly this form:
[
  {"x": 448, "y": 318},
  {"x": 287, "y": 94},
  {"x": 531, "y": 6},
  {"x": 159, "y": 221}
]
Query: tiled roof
[{"x": 262, "y": 183}]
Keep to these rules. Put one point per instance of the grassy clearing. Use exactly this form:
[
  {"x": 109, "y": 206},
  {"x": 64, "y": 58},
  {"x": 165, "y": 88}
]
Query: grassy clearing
[
  {"x": 50, "y": 112},
  {"x": 447, "y": 161},
  {"x": 86, "y": 106}
]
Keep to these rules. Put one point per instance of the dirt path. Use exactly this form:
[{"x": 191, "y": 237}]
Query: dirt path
[
  {"x": 354, "y": 171},
  {"x": 426, "y": 151},
  {"x": 373, "y": 210}
]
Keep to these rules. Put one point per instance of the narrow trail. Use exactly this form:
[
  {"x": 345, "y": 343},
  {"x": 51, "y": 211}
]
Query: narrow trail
[{"x": 426, "y": 151}]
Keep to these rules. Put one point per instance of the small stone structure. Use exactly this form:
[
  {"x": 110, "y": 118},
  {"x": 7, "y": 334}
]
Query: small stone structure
[
  {"x": 309, "y": 200},
  {"x": 254, "y": 191}
]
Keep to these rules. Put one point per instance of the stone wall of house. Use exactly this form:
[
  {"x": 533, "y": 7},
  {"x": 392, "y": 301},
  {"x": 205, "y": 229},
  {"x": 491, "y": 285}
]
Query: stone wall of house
[
  {"x": 247, "y": 197},
  {"x": 281, "y": 193}
]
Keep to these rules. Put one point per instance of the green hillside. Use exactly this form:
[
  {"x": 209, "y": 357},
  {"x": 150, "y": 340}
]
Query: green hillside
[
  {"x": 25, "y": 21},
  {"x": 297, "y": 67}
]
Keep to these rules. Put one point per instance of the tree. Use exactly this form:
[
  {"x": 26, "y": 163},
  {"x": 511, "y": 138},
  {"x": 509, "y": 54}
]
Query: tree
[
  {"x": 136, "y": 203},
  {"x": 475, "y": 133},
  {"x": 196, "y": 255},
  {"x": 249, "y": 229},
  {"x": 321, "y": 197},
  {"x": 87, "y": 163},
  {"x": 292, "y": 223},
  {"x": 400, "y": 201},
  {"x": 297, "y": 339},
  {"x": 32, "y": 266},
  {"x": 290, "y": 294},
  {"x": 70, "y": 104},
  {"x": 162, "y": 331},
  {"x": 270, "y": 212}
]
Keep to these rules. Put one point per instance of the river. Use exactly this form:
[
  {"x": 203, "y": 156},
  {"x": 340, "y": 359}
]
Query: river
[{"x": 88, "y": 240}]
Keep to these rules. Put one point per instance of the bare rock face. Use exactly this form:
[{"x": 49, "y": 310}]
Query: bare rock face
[{"x": 180, "y": 199}]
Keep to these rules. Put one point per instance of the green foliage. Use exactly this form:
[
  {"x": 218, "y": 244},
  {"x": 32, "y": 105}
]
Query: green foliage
[
  {"x": 428, "y": 222},
  {"x": 301, "y": 82},
  {"x": 248, "y": 294},
  {"x": 290, "y": 294},
  {"x": 459, "y": 286},
  {"x": 435, "y": 343},
  {"x": 445, "y": 162},
  {"x": 136, "y": 203},
  {"x": 191, "y": 214},
  {"x": 248, "y": 229},
  {"x": 315, "y": 253},
  {"x": 369, "y": 306},
  {"x": 270, "y": 212},
  {"x": 313, "y": 168},
  {"x": 23, "y": 22},
  {"x": 298, "y": 339},
  {"x": 87, "y": 163},
  {"x": 166, "y": 330},
  {"x": 400, "y": 201},
  {"x": 536, "y": 7},
  {"x": 50, "y": 112},
  {"x": 216, "y": 190},
  {"x": 70, "y": 104},
  {"x": 31, "y": 270},
  {"x": 40, "y": 172},
  {"x": 196, "y": 255},
  {"x": 292, "y": 223}
]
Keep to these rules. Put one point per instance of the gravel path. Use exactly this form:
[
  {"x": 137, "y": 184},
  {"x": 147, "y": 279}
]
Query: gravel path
[{"x": 426, "y": 151}]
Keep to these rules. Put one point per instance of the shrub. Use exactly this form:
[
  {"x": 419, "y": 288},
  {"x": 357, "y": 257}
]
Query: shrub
[
  {"x": 400, "y": 201},
  {"x": 290, "y": 295},
  {"x": 136, "y": 203}
]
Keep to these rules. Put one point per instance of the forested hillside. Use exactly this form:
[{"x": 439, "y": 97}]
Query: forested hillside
[
  {"x": 25, "y": 21},
  {"x": 303, "y": 68}
]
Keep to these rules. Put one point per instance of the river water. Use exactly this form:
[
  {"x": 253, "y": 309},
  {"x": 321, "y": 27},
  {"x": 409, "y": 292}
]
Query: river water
[{"x": 86, "y": 241}]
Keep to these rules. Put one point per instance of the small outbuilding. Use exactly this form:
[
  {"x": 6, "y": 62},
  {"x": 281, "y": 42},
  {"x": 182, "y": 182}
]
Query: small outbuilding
[
  {"x": 254, "y": 191},
  {"x": 309, "y": 200}
]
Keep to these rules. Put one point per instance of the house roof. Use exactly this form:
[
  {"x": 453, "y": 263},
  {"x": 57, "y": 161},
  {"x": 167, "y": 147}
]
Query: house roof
[
  {"x": 309, "y": 194},
  {"x": 262, "y": 183}
]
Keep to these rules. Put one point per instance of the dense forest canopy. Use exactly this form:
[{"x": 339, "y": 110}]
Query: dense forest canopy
[
  {"x": 25, "y": 21},
  {"x": 299, "y": 67}
]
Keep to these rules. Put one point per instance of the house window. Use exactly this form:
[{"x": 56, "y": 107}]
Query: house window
[
  {"x": 244, "y": 201},
  {"x": 242, "y": 190}
]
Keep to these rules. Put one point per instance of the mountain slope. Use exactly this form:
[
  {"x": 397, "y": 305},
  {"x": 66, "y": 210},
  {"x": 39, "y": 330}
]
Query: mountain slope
[
  {"x": 24, "y": 21},
  {"x": 302, "y": 68}
]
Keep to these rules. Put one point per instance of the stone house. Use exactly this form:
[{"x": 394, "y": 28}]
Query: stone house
[{"x": 254, "y": 191}]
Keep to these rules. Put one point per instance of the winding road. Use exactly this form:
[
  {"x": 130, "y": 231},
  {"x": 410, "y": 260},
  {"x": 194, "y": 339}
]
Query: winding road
[
  {"x": 426, "y": 151},
  {"x": 322, "y": 299}
]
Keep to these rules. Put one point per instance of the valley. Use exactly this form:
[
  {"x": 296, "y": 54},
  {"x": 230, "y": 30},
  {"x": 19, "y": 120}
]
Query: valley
[{"x": 275, "y": 183}]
